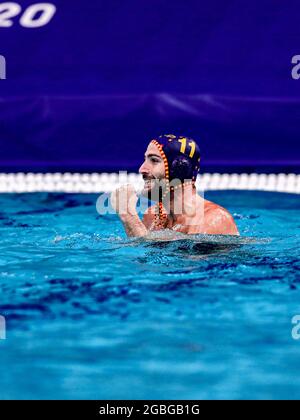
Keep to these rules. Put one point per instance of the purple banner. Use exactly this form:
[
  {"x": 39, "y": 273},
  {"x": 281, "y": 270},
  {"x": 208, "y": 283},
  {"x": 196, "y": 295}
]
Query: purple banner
[{"x": 89, "y": 83}]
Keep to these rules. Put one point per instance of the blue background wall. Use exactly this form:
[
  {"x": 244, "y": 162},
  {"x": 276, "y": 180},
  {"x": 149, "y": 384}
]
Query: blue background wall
[{"x": 88, "y": 90}]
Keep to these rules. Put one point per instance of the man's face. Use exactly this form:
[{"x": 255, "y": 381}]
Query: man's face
[{"x": 153, "y": 171}]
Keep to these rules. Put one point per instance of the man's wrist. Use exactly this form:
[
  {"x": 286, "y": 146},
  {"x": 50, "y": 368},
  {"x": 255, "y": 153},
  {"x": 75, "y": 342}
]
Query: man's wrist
[{"x": 127, "y": 217}]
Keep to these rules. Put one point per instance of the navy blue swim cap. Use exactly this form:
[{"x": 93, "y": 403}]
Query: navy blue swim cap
[{"x": 181, "y": 157}]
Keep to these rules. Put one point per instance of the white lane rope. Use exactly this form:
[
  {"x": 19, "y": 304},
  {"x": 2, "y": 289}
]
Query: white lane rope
[{"x": 108, "y": 182}]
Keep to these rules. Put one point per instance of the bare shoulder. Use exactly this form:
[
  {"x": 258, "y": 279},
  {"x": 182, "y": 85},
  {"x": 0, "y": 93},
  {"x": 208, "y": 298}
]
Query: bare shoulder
[{"x": 218, "y": 221}]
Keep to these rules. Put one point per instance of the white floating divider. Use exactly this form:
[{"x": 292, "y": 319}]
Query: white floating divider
[{"x": 108, "y": 182}]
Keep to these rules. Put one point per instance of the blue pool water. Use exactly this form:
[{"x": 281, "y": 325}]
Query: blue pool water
[{"x": 92, "y": 315}]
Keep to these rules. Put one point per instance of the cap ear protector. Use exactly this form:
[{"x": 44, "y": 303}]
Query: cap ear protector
[{"x": 181, "y": 169}]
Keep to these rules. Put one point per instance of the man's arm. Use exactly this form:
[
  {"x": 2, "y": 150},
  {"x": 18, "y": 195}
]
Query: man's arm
[
  {"x": 124, "y": 202},
  {"x": 133, "y": 225}
]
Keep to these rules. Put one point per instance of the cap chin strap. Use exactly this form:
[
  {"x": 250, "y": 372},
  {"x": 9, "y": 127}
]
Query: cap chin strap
[{"x": 161, "y": 217}]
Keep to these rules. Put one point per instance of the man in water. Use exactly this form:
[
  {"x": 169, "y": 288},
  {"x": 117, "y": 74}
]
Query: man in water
[{"x": 169, "y": 171}]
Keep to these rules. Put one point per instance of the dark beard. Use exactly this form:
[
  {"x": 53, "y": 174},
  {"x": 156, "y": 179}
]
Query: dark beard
[{"x": 156, "y": 193}]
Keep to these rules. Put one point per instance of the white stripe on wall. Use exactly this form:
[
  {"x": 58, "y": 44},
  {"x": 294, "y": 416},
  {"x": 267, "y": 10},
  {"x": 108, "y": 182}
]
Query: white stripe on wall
[{"x": 107, "y": 182}]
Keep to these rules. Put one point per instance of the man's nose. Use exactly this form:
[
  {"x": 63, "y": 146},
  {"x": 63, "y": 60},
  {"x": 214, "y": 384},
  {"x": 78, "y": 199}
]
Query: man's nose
[{"x": 144, "y": 170}]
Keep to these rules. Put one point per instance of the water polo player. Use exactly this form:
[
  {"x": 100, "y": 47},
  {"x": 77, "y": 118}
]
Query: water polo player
[{"x": 170, "y": 171}]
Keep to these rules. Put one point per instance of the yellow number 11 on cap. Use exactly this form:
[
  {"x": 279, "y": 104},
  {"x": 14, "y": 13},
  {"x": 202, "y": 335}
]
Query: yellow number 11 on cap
[{"x": 183, "y": 146}]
